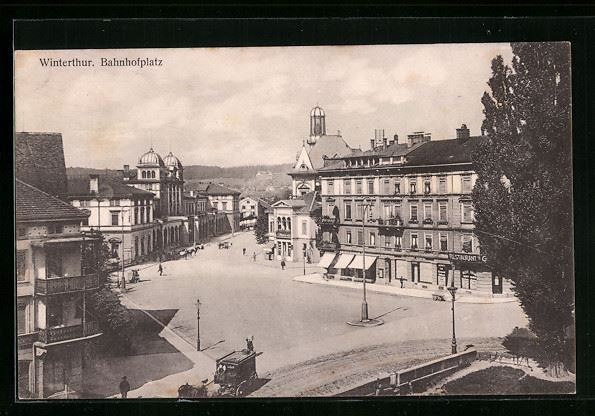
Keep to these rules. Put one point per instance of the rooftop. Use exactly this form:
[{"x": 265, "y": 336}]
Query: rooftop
[
  {"x": 34, "y": 204},
  {"x": 109, "y": 187},
  {"x": 215, "y": 189}
]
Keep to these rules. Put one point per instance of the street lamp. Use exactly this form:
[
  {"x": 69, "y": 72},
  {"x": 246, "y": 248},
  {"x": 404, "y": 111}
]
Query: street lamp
[
  {"x": 304, "y": 261},
  {"x": 453, "y": 290},
  {"x": 197, "y": 324},
  {"x": 365, "y": 205},
  {"x": 123, "y": 281}
]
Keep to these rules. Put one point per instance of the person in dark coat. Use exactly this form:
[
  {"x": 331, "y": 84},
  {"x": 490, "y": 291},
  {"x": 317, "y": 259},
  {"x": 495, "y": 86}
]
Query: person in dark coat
[
  {"x": 124, "y": 387},
  {"x": 282, "y": 264},
  {"x": 160, "y": 268}
]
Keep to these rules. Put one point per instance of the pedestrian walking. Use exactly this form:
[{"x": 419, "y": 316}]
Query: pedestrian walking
[
  {"x": 254, "y": 257},
  {"x": 282, "y": 264},
  {"x": 124, "y": 387},
  {"x": 160, "y": 268},
  {"x": 243, "y": 251}
]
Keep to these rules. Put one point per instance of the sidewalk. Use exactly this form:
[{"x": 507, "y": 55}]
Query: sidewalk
[{"x": 316, "y": 278}]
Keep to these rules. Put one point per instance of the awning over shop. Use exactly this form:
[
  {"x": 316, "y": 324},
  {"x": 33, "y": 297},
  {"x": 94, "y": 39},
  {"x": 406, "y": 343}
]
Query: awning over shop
[
  {"x": 344, "y": 260},
  {"x": 358, "y": 262},
  {"x": 326, "y": 260}
]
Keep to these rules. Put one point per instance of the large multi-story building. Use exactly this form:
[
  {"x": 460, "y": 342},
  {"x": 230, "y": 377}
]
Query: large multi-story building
[
  {"x": 248, "y": 212},
  {"x": 56, "y": 267},
  {"x": 123, "y": 214},
  {"x": 418, "y": 226},
  {"x": 224, "y": 200},
  {"x": 204, "y": 221}
]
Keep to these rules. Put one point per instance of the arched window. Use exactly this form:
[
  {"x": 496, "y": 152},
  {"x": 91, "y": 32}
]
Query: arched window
[
  {"x": 144, "y": 174},
  {"x": 153, "y": 174},
  {"x": 284, "y": 223},
  {"x": 279, "y": 223},
  {"x": 289, "y": 224}
]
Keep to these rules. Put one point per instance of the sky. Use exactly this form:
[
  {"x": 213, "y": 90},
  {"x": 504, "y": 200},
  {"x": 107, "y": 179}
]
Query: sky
[{"x": 245, "y": 106}]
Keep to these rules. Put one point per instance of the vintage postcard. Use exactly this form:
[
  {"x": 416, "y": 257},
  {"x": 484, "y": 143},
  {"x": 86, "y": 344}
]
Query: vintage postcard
[{"x": 318, "y": 221}]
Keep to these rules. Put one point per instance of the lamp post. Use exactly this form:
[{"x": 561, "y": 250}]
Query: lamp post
[
  {"x": 304, "y": 261},
  {"x": 453, "y": 290},
  {"x": 123, "y": 280},
  {"x": 197, "y": 324},
  {"x": 365, "y": 205}
]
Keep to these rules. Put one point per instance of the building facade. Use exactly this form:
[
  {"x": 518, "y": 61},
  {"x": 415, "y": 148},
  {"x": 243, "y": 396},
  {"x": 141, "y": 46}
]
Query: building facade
[
  {"x": 410, "y": 204},
  {"x": 224, "y": 200},
  {"x": 204, "y": 220},
  {"x": 248, "y": 212},
  {"x": 56, "y": 267}
]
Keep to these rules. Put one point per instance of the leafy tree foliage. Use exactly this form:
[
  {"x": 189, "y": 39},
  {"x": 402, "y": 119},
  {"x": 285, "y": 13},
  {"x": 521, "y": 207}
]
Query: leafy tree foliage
[
  {"x": 523, "y": 195},
  {"x": 261, "y": 229}
]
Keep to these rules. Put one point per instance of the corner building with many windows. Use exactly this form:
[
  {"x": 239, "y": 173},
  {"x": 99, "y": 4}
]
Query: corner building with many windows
[{"x": 418, "y": 227}]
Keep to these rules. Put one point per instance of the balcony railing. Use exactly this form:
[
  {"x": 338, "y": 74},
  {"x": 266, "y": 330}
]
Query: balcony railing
[
  {"x": 66, "y": 284},
  {"x": 27, "y": 340},
  {"x": 329, "y": 221},
  {"x": 393, "y": 222},
  {"x": 328, "y": 246},
  {"x": 51, "y": 335},
  {"x": 283, "y": 233}
]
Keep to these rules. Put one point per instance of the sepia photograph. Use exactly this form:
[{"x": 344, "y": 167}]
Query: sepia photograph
[{"x": 296, "y": 221}]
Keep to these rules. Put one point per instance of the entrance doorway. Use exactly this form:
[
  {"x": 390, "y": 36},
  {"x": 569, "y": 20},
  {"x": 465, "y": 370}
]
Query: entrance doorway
[{"x": 415, "y": 272}]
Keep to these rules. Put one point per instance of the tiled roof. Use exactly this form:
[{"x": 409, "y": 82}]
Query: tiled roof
[
  {"x": 215, "y": 189},
  {"x": 109, "y": 187},
  {"x": 442, "y": 152},
  {"x": 39, "y": 161},
  {"x": 311, "y": 200},
  {"x": 34, "y": 204},
  {"x": 327, "y": 146}
]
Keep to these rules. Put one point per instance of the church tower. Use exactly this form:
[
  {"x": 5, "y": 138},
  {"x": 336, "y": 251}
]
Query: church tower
[{"x": 317, "y": 125}]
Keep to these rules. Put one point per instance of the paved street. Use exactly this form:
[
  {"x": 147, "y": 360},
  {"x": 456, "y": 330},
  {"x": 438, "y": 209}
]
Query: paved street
[{"x": 293, "y": 322}]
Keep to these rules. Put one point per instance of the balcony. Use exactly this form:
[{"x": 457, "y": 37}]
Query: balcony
[
  {"x": 51, "y": 335},
  {"x": 328, "y": 246},
  {"x": 67, "y": 284},
  {"x": 327, "y": 221},
  {"x": 283, "y": 234},
  {"x": 428, "y": 221},
  {"x": 27, "y": 340}
]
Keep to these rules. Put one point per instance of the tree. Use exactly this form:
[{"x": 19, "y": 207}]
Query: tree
[
  {"x": 261, "y": 229},
  {"x": 523, "y": 195}
]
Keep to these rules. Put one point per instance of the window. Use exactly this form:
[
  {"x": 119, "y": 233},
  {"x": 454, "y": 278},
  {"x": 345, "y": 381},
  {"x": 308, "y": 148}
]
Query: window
[
  {"x": 387, "y": 241},
  {"x": 427, "y": 210},
  {"x": 358, "y": 187},
  {"x": 84, "y": 203},
  {"x": 331, "y": 187},
  {"x": 347, "y": 211},
  {"x": 153, "y": 174},
  {"x": 21, "y": 231},
  {"x": 360, "y": 237},
  {"x": 386, "y": 187},
  {"x": 397, "y": 187},
  {"x": 413, "y": 213},
  {"x": 115, "y": 218},
  {"x": 142, "y": 215},
  {"x": 244, "y": 207},
  {"x": 347, "y": 186},
  {"x": 55, "y": 229},
  {"x": 114, "y": 202},
  {"x": 372, "y": 239},
  {"x": 387, "y": 211},
  {"x": 371, "y": 187},
  {"x": 442, "y": 211},
  {"x": 428, "y": 242},
  {"x": 224, "y": 206},
  {"x": 397, "y": 210},
  {"x": 467, "y": 184},
  {"x": 360, "y": 211},
  {"x": 21, "y": 265},
  {"x": 413, "y": 187},
  {"x": 443, "y": 242},
  {"x": 442, "y": 185},
  {"x": 413, "y": 241},
  {"x": 427, "y": 186},
  {"x": 467, "y": 241},
  {"x": 467, "y": 212},
  {"x": 21, "y": 319},
  {"x": 398, "y": 241},
  {"x": 304, "y": 228},
  {"x": 53, "y": 260},
  {"x": 348, "y": 237},
  {"x": 135, "y": 215}
]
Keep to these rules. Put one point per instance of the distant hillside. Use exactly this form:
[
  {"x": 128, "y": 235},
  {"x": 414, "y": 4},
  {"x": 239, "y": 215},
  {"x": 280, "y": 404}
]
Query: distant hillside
[{"x": 253, "y": 180}]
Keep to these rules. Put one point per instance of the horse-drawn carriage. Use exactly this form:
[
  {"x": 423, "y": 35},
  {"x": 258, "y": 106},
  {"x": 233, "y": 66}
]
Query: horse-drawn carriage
[
  {"x": 235, "y": 373},
  {"x": 224, "y": 244}
]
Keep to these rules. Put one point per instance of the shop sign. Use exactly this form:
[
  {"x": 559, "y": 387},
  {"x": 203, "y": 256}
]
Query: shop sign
[{"x": 467, "y": 258}]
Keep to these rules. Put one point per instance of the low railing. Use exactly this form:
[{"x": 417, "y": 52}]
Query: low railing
[
  {"x": 66, "y": 284},
  {"x": 51, "y": 335},
  {"x": 328, "y": 246},
  {"x": 283, "y": 233},
  {"x": 27, "y": 340}
]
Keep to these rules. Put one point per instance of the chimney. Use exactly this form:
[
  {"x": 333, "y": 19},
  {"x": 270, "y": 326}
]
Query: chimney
[
  {"x": 384, "y": 142},
  {"x": 94, "y": 184},
  {"x": 126, "y": 173},
  {"x": 396, "y": 138},
  {"x": 463, "y": 132},
  {"x": 372, "y": 144}
]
